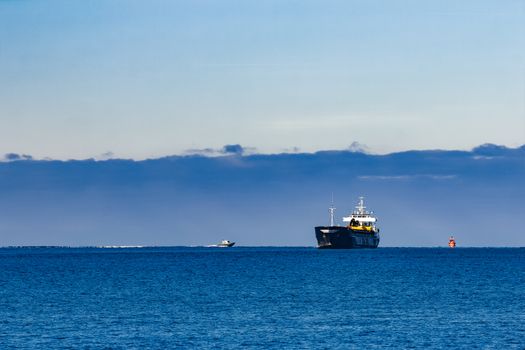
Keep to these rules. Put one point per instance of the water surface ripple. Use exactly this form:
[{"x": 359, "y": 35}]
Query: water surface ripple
[{"x": 277, "y": 298}]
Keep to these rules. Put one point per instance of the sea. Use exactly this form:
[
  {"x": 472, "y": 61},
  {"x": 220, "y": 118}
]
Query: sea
[{"x": 262, "y": 298}]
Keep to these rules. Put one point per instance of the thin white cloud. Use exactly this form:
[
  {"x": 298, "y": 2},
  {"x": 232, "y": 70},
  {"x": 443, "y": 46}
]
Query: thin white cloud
[
  {"x": 406, "y": 177},
  {"x": 482, "y": 157}
]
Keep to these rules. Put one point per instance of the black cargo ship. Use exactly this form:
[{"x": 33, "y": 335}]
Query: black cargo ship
[{"x": 361, "y": 231}]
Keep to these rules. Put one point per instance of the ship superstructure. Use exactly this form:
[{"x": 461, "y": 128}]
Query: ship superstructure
[
  {"x": 360, "y": 232},
  {"x": 224, "y": 244}
]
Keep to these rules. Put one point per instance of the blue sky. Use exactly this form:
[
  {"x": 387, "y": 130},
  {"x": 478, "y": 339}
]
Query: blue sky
[{"x": 149, "y": 78}]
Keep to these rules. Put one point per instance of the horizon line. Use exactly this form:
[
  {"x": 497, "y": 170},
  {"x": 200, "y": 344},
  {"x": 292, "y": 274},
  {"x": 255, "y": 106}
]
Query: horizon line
[{"x": 235, "y": 247}]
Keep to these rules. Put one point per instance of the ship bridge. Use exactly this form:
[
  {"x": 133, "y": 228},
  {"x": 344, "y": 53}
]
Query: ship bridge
[{"x": 360, "y": 214}]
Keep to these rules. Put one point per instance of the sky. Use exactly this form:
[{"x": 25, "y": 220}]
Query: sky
[{"x": 144, "y": 79}]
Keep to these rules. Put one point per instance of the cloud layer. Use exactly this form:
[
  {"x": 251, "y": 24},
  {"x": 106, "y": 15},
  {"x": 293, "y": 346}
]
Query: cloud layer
[{"x": 263, "y": 199}]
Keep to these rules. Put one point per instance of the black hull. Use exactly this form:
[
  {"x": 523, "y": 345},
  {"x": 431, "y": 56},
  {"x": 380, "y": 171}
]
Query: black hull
[{"x": 338, "y": 237}]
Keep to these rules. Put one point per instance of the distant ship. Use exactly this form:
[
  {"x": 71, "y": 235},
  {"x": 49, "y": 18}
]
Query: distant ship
[
  {"x": 223, "y": 244},
  {"x": 361, "y": 231},
  {"x": 452, "y": 242}
]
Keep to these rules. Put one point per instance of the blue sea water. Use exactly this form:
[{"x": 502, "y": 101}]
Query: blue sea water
[{"x": 301, "y": 298}]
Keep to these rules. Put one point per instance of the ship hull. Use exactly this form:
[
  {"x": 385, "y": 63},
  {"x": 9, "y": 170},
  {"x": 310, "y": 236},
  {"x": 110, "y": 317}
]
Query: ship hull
[
  {"x": 221, "y": 245},
  {"x": 338, "y": 237}
]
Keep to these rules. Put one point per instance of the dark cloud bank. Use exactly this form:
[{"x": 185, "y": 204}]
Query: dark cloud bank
[{"x": 421, "y": 197}]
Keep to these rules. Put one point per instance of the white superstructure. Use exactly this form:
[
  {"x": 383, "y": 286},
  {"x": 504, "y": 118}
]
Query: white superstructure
[{"x": 361, "y": 217}]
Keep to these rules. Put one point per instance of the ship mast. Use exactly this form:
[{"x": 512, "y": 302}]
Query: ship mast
[
  {"x": 361, "y": 206},
  {"x": 331, "y": 210}
]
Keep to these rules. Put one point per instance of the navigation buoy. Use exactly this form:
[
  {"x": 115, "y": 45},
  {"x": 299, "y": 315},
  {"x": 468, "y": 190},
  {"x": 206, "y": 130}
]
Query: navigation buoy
[{"x": 451, "y": 242}]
